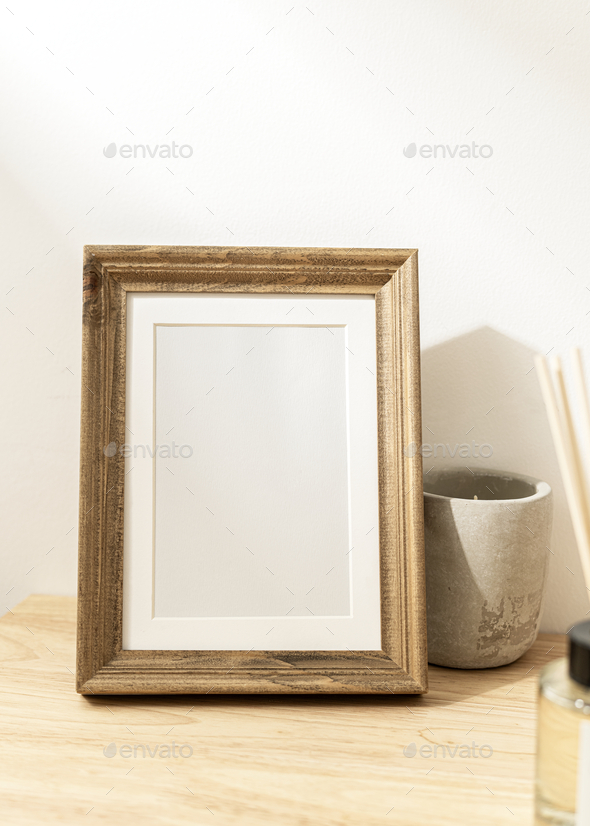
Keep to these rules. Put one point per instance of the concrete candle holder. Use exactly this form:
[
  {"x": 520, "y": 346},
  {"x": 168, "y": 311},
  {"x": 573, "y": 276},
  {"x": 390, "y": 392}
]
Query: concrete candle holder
[{"x": 486, "y": 535}]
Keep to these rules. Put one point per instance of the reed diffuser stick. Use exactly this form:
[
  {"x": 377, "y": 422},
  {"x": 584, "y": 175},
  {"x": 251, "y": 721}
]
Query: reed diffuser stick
[
  {"x": 573, "y": 450},
  {"x": 561, "y": 423},
  {"x": 581, "y": 394}
]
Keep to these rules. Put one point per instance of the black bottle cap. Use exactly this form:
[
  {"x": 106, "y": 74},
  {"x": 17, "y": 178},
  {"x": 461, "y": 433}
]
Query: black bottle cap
[{"x": 580, "y": 653}]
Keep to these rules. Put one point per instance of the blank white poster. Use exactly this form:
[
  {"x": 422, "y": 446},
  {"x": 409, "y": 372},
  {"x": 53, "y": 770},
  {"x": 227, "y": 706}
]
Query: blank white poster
[{"x": 262, "y": 411}]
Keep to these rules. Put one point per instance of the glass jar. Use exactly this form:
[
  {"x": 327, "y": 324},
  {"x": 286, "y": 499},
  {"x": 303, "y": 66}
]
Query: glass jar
[{"x": 563, "y": 736}]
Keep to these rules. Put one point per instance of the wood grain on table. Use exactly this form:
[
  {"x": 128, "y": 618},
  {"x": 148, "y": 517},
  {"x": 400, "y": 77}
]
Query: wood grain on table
[{"x": 257, "y": 759}]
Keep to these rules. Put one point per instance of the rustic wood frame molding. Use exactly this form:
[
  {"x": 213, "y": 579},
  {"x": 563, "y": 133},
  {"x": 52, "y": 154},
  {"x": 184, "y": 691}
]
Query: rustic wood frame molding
[{"x": 392, "y": 276}]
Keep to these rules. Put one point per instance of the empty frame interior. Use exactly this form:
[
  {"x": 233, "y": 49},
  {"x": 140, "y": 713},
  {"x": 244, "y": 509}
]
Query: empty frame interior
[
  {"x": 260, "y": 414},
  {"x": 251, "y": 495}
]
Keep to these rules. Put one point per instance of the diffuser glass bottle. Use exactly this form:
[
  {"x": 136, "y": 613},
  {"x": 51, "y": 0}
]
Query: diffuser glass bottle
[{"x": 563, "y": 736}]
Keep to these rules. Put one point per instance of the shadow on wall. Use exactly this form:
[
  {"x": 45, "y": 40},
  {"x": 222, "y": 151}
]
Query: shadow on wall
[{"x": 482, "y": 407}]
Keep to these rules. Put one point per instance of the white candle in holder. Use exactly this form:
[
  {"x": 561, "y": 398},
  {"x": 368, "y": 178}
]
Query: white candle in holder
[{"x": 487, "y": 535}]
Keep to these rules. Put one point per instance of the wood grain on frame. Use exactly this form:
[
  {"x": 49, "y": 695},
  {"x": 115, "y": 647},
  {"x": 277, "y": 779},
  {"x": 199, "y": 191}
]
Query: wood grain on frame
[{"x": 392, "y": 276}]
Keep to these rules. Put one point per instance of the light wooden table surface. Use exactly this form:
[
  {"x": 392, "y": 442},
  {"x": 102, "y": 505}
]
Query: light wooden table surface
[{"x": 257, "y": 759}]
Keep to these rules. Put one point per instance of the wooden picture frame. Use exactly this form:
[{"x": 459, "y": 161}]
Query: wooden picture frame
[{"x": 391, "y": 276}]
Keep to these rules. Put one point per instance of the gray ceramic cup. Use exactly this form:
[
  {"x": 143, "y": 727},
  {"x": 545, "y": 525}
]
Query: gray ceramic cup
[{"x": 486, "y": 565}]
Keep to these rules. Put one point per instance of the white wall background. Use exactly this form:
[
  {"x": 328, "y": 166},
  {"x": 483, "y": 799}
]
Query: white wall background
[{"x": 297, "y": 116}]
